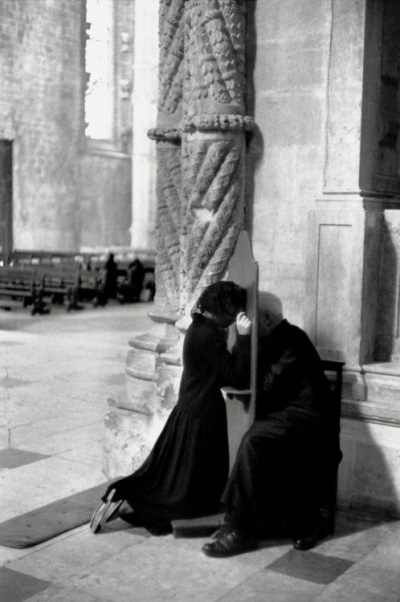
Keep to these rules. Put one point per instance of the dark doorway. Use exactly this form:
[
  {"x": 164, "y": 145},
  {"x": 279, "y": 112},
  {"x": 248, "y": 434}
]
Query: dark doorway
[{"x": 6, "y": 242}]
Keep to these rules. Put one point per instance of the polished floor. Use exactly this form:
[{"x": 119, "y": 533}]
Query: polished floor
[{"x": 56, "y": 373}]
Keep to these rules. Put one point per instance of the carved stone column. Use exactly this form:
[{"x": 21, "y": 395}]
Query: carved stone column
[
  {"x": 213, "y": 126},
  {"x": 200, "y": 141},
  {"x": 168, "y": 142}
]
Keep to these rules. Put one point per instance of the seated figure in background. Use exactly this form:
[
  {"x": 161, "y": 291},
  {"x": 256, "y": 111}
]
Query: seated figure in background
[
  {"x": 286, "y": 458},
  {"x": 130, "y": 289}
]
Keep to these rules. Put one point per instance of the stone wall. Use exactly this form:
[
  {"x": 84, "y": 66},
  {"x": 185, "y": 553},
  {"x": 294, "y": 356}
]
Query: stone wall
[
  {"x": 104, "y": 200},
  {"x": 41, "y": 111},
  {"x": 289, "y": 51},
  {"x": 326, "y": 238}
]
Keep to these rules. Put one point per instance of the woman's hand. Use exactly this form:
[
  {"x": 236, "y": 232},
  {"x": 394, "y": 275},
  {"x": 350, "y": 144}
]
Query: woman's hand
[{"x": 243, "y": 324}]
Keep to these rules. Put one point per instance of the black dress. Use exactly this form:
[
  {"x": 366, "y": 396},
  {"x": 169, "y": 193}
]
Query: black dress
[{"x": 186, "y": 472}]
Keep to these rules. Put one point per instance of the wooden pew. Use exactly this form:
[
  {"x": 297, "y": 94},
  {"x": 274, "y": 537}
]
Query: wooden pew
[
  {"x": 19, "y": 284},
  {"x": 55, "y": 283},
  {"x": 60, "y": 283},
  {"x": 56, "y": 275},
  {"x": 90, "y": 286}
]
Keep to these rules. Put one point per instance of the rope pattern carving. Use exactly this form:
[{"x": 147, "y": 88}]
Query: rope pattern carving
[
  {"x": 214, "y": 113},
  {"x": 219, "y": 260},
  {"x": 199, "y": 182},
  {"x": 216, "y": 38},
  {"x": 168, "y": 219},
  {"x": 209, "y": 123},
  {"x": 213, "y": 217},
  {"x": 171, "y": 25},
  {"x": 168, "y": 140}
]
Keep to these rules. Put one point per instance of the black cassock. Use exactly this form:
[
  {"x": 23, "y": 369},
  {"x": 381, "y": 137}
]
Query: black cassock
[
  {"x": 187, "y": 469},
  {"x": 287, "y": 456}
]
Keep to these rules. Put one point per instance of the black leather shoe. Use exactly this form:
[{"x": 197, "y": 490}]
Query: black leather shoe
[
  {"x": 309, "y": 541},
  {"x": 220, "y": 532},
  {"x": 229, "y": 543}
]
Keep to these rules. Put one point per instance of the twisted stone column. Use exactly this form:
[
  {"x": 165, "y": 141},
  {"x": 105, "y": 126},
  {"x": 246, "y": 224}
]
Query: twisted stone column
[
  {"x": 213, "y": 128},
  {"x": 168, "y": 141},
  {"x": 200, "y": 139}
]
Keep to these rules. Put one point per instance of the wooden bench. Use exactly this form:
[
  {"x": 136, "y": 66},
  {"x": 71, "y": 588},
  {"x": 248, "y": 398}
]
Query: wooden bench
[
  {"x": 90, "y": 287},
  {"x": 334, "y": 373},
  {"x": 59, "y": 273},
  {"x": 55, "y": 274},
  {"x": 19, "y": 284},
  {"x": 61, "y": 283}
]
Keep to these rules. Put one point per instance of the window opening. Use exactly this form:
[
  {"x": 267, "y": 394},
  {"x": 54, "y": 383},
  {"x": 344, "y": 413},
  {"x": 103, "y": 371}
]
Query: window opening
[{"x": 99, "y": 64}]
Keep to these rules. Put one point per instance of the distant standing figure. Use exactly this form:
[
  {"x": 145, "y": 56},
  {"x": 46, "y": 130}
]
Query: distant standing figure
[
  {"x": 110, "y": 278},
  {"x": 187, "y": 469}
]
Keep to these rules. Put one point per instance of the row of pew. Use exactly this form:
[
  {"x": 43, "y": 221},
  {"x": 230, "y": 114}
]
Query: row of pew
[{"x": 38, "y": 277}]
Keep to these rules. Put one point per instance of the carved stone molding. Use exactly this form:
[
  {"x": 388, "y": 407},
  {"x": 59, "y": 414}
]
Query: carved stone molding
[{"x": 222, "y": 122}]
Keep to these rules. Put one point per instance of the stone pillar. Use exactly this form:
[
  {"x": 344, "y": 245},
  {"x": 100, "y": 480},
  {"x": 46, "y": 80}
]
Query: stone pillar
[
  {"x": 200, "y": 143},
  {"x": 167, "y": 139},
  {"x": 214, "y": 125}
]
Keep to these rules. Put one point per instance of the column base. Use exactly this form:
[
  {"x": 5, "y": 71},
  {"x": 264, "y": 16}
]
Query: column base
[
  {"x": 139, "y": 411},
  {"x": 369, "y": 475}
]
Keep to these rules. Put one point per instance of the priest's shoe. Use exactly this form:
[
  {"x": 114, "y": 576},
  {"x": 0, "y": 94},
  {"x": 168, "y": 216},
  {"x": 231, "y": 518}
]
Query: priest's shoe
[{"x": 228, "y": 544}]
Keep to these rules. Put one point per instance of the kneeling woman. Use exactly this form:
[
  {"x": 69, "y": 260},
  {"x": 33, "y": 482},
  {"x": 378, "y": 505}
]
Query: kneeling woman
[{"x": 186, "y": 471}]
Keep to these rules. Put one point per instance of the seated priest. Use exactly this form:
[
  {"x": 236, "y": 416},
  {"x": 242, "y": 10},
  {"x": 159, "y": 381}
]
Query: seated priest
[{"x": 288, "y": 458}]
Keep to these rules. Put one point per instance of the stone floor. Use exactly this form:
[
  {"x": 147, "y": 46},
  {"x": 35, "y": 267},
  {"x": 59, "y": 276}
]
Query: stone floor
[{"x": 56, "y": 372}]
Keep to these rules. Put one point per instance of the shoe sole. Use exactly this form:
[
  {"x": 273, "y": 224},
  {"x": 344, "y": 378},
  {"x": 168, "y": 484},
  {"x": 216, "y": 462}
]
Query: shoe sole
[
  {"x": 95, "y": 523},
  {"x": 104, "y": 513}
]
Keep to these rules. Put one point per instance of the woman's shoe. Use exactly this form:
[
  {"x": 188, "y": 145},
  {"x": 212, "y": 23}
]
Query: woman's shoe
[{"x": 105, "y": 512}]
